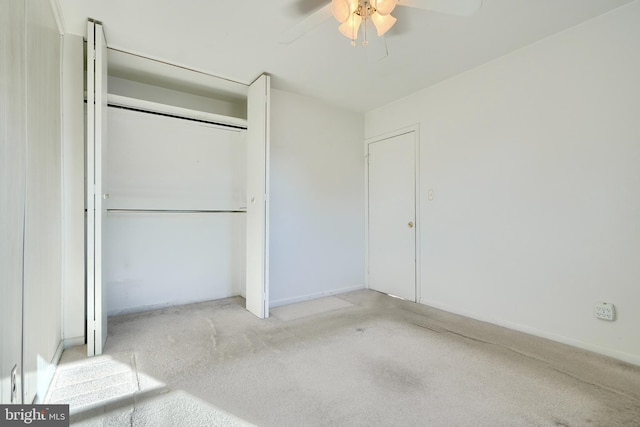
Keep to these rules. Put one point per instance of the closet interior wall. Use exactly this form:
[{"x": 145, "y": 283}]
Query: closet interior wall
[{"x": 175, "y": 227}]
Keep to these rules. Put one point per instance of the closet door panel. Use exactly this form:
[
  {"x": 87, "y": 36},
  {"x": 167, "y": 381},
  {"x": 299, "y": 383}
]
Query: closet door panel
[{"x": 258, "y": 153}]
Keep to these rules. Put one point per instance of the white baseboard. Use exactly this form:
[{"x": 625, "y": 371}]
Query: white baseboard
[
  {"x": 616, "y": 354},
  {"x": 46, "y": 370},
  {"x": 73, "y": 342},
  {"x": 301, "y": 298},
  {"x": 150, "y": 307},
  {"x": 58, "y": 355}
]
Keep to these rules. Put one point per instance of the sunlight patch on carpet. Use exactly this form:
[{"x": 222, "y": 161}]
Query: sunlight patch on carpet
[{"x": 93, "y": 381}]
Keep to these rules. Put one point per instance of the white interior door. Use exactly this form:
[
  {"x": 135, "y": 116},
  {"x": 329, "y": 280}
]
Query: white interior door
[
  {"x": 392, "y": 212},
  {"x": 96, "y": 194},
  {"x": 257, "y": 273}
]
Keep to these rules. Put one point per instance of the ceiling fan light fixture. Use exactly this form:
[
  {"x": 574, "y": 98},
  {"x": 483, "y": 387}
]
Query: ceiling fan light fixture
[
  {"x": 341, "y": 9},
  {"x": 350, "y": 27},
  {"x": 382, "y": 22},
  {"x": 384, "y": 7}
]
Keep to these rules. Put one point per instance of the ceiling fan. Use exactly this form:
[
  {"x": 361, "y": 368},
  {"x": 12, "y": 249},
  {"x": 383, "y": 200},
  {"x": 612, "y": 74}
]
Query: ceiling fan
[{"x": 356, "y": 14}]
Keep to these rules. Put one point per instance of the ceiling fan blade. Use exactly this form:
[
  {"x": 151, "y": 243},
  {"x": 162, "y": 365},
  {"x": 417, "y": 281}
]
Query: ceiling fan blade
[
  {"x": 376, "y": 49},
  {"x": 306, "y": 25},
  {"x": 303, "y": 8},
  {"x": 451, "y": 7}
]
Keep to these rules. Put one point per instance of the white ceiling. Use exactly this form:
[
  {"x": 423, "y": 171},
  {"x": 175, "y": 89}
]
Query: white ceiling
[{"x": 238, "y": 40}]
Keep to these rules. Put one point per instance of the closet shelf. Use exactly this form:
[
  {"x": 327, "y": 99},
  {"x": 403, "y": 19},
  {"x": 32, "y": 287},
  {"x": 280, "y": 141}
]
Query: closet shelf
[{"x": 170, "y": 110}]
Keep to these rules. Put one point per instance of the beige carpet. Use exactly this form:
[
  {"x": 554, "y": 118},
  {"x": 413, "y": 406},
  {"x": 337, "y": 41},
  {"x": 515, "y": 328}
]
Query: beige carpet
[{"x": 365, "y": 360}]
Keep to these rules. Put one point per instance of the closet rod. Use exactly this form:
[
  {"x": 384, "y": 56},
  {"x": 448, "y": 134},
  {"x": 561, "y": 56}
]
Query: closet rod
[
  {"x": 177, "y": 116},
  {"x": 176, "y": 211}
]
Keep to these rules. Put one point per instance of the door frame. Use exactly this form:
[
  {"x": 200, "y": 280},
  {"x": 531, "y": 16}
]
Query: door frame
[{"x": 415, "y": 129}]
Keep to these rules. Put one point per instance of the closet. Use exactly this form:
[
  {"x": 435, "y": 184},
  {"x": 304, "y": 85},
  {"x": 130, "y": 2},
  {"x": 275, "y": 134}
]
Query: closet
[
  {"x": 177, "y": 215},
  {"x": 176, "y": 210}
]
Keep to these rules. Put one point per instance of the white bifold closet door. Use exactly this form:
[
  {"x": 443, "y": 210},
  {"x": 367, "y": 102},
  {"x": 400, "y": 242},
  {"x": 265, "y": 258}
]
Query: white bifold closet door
[
  {"x": 257, "y": 271},
  {"x": 96, "y": 192}
]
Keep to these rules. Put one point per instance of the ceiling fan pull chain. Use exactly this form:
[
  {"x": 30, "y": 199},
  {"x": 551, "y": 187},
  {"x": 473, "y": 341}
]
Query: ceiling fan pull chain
[{"x": 364, "y": 30}]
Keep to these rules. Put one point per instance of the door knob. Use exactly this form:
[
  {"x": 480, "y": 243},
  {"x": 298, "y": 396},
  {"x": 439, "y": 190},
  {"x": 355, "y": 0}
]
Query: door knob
[
  {"x": 410, "y": 224},
  {"x": 105, "y": 196}
]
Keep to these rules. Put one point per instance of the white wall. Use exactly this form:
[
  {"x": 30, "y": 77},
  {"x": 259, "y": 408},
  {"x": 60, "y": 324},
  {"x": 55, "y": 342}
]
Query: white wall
[
  {"x": 31, "y": 203},
  {"x": 317, "y": 199},
  {"x": 162, "y": 259},
  {"x": 13, "y": 150},
  {"x": 73, "y": 190},
  {"x": 534, "y": 159},
  {"x": 43, "y": 243}
]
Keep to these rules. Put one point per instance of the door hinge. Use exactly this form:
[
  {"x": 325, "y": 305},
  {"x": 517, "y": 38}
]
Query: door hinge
[{"x": 14, "y": 385}]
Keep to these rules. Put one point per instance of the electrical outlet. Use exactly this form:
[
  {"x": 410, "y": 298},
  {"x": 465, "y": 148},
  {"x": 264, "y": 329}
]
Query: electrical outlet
[
  {"x": 14, "y": 384},
  {"x": 605, "y": 311}
]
